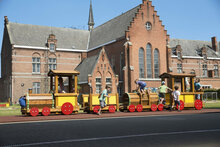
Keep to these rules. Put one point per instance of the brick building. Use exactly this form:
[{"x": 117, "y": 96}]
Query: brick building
[
  {"x": 133, "y": 45},
  {"x": 96, "y": 72},
  {"x": 199, "y": 57}
]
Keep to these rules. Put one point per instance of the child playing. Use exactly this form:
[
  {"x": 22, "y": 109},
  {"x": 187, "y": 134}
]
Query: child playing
[
  {"x": 162, "y": 92},
  {"x": 103, "y": 97},
  {"x": 197, "y": 88},
  {"x": 176, "y": 95},
  {"x": 141, "y": 85}
]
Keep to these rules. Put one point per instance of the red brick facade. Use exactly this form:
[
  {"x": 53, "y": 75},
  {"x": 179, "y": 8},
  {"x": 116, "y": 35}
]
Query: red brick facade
[{"x": 102, "y": 70}]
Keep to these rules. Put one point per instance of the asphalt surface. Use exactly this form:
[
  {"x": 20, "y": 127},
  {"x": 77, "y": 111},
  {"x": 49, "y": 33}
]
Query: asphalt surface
[
  {"x": 168, "y": 130},
  {"x": 20, "y": 118}
]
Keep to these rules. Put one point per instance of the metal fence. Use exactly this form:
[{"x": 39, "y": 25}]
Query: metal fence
[{"x": 210, "y": 96}]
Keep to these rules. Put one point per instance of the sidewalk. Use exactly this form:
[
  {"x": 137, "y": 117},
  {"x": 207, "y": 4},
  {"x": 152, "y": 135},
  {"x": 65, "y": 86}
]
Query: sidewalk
[{"x": 10, "y": 119}]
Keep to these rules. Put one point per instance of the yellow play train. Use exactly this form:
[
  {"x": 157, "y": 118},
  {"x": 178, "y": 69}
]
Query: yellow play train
[{"x": 57, "y": 102}]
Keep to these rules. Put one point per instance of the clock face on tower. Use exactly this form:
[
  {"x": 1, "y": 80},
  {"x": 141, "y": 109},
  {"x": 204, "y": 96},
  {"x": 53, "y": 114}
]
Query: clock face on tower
[{"x": 148, "y": 25}]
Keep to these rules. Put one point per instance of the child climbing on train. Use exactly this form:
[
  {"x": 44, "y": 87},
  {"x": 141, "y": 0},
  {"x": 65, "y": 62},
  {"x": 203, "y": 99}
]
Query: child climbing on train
[
  {"x": 162, "y": 91},
  {"x": 102, "y": 98},
  {"x": 141, "y": 86},
  {"x": 176, "y": 96}
]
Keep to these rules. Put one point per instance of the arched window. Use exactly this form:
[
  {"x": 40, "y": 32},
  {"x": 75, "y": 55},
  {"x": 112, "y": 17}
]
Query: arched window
[
  {"x": 141, "y": 63},
  {"x": 156, "y": 63},
  {"x": 149, "y": 61},
  {"x": 108, "y": 80},
  {"x": 122, "y": 64}
]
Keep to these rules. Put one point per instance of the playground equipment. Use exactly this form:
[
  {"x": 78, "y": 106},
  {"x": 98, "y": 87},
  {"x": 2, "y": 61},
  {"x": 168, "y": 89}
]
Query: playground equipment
[
  {"x": 55, "y": 101},
  {"x": 65, "y": 99}
]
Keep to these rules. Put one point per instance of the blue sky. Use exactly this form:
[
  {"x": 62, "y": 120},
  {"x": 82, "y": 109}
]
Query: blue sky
[{"x": 184, "y": 19}]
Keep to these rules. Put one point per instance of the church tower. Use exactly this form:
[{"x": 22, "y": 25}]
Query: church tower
[{"x": 91, "y": 19}]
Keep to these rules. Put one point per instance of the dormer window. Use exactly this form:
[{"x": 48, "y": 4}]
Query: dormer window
[
  {"x": 51, "y": 42},
  {"x": 178, "y": 52},
  {"x": 199, "y": 52},
  {"x": 174, "y": 51},
  {"x": 204, "y": 57},
  {"x": 179, "y": 55},
  {"x": 52, "y": 47}
]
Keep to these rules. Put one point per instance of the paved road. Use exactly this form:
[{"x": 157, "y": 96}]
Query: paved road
[{"x": 179, "y": 130}]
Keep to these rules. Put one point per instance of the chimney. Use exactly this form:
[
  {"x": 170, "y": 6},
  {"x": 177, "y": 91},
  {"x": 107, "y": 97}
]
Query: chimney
[
  {"x": 6, "y": 20},
  {"x": 214, "y": 44}
]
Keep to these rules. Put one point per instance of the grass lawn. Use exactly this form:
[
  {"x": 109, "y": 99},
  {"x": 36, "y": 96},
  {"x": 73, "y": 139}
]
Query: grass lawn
[
  {"x": 12, "y": 110},
  {"x": 212, "y": 104}
]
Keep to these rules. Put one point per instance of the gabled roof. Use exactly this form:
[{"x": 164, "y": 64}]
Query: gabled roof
[
  {"x": 113, "y": 29},
  {"x": 190, "y": 47},
  {"x": 86, "y": 67},
  {"x": 67, "y": 38},
  {"x": 35, "y": 35}
]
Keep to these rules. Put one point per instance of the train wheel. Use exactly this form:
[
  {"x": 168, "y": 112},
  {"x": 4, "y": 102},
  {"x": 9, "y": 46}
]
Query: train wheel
[
  {"x": 198, "y": 104},
  {"x": 111, "y": 109},
  {"x": 160, "y": 107},
  {"x": 153, "y": 107},
  {"x": 34, "y": 111},
  {"x": 67, "y": 108},
  {"x": 46, "y": 111},
  {"x": 96, "y": 109},
  {"x": 131, "y": 108},
  {"x": 139, "y": 108},
  {"x": 181, "y": 105}
]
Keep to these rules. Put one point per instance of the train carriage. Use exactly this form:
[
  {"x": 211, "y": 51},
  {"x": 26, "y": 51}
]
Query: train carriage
[
  {"x": 56, "y": 101},
  {"x": 137, "y": 102},
  {"x": 91, "y": 103},
  {"x": 186, "y": 88}
]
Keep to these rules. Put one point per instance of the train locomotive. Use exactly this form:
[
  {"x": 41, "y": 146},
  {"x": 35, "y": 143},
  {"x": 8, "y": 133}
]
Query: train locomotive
[{"x": 59, "y": 102}]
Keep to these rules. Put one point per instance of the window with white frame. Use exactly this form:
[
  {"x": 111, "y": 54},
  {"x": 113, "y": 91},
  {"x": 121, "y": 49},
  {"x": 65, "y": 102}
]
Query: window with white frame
[
  {"x": 216, "y": 70},
  {"x": 179, "y": 55},
  {"x": 52, "y": 47},
  {"x": 205, "y": 71},
  {"x": 36, "y": 87},
  {"x": 204, "y": 56},
  {"x": 156, "y": 63},
  {"x": 149, "y": 62},
  {"x": 109, "y": 81},
  {"x": 98, "y": 85},
  {"x": 141, "y": 63},
  {"x": 179, "y": 68},
  {"x": 36, "y": 64},
  {"x": 52, "y": 63}
]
